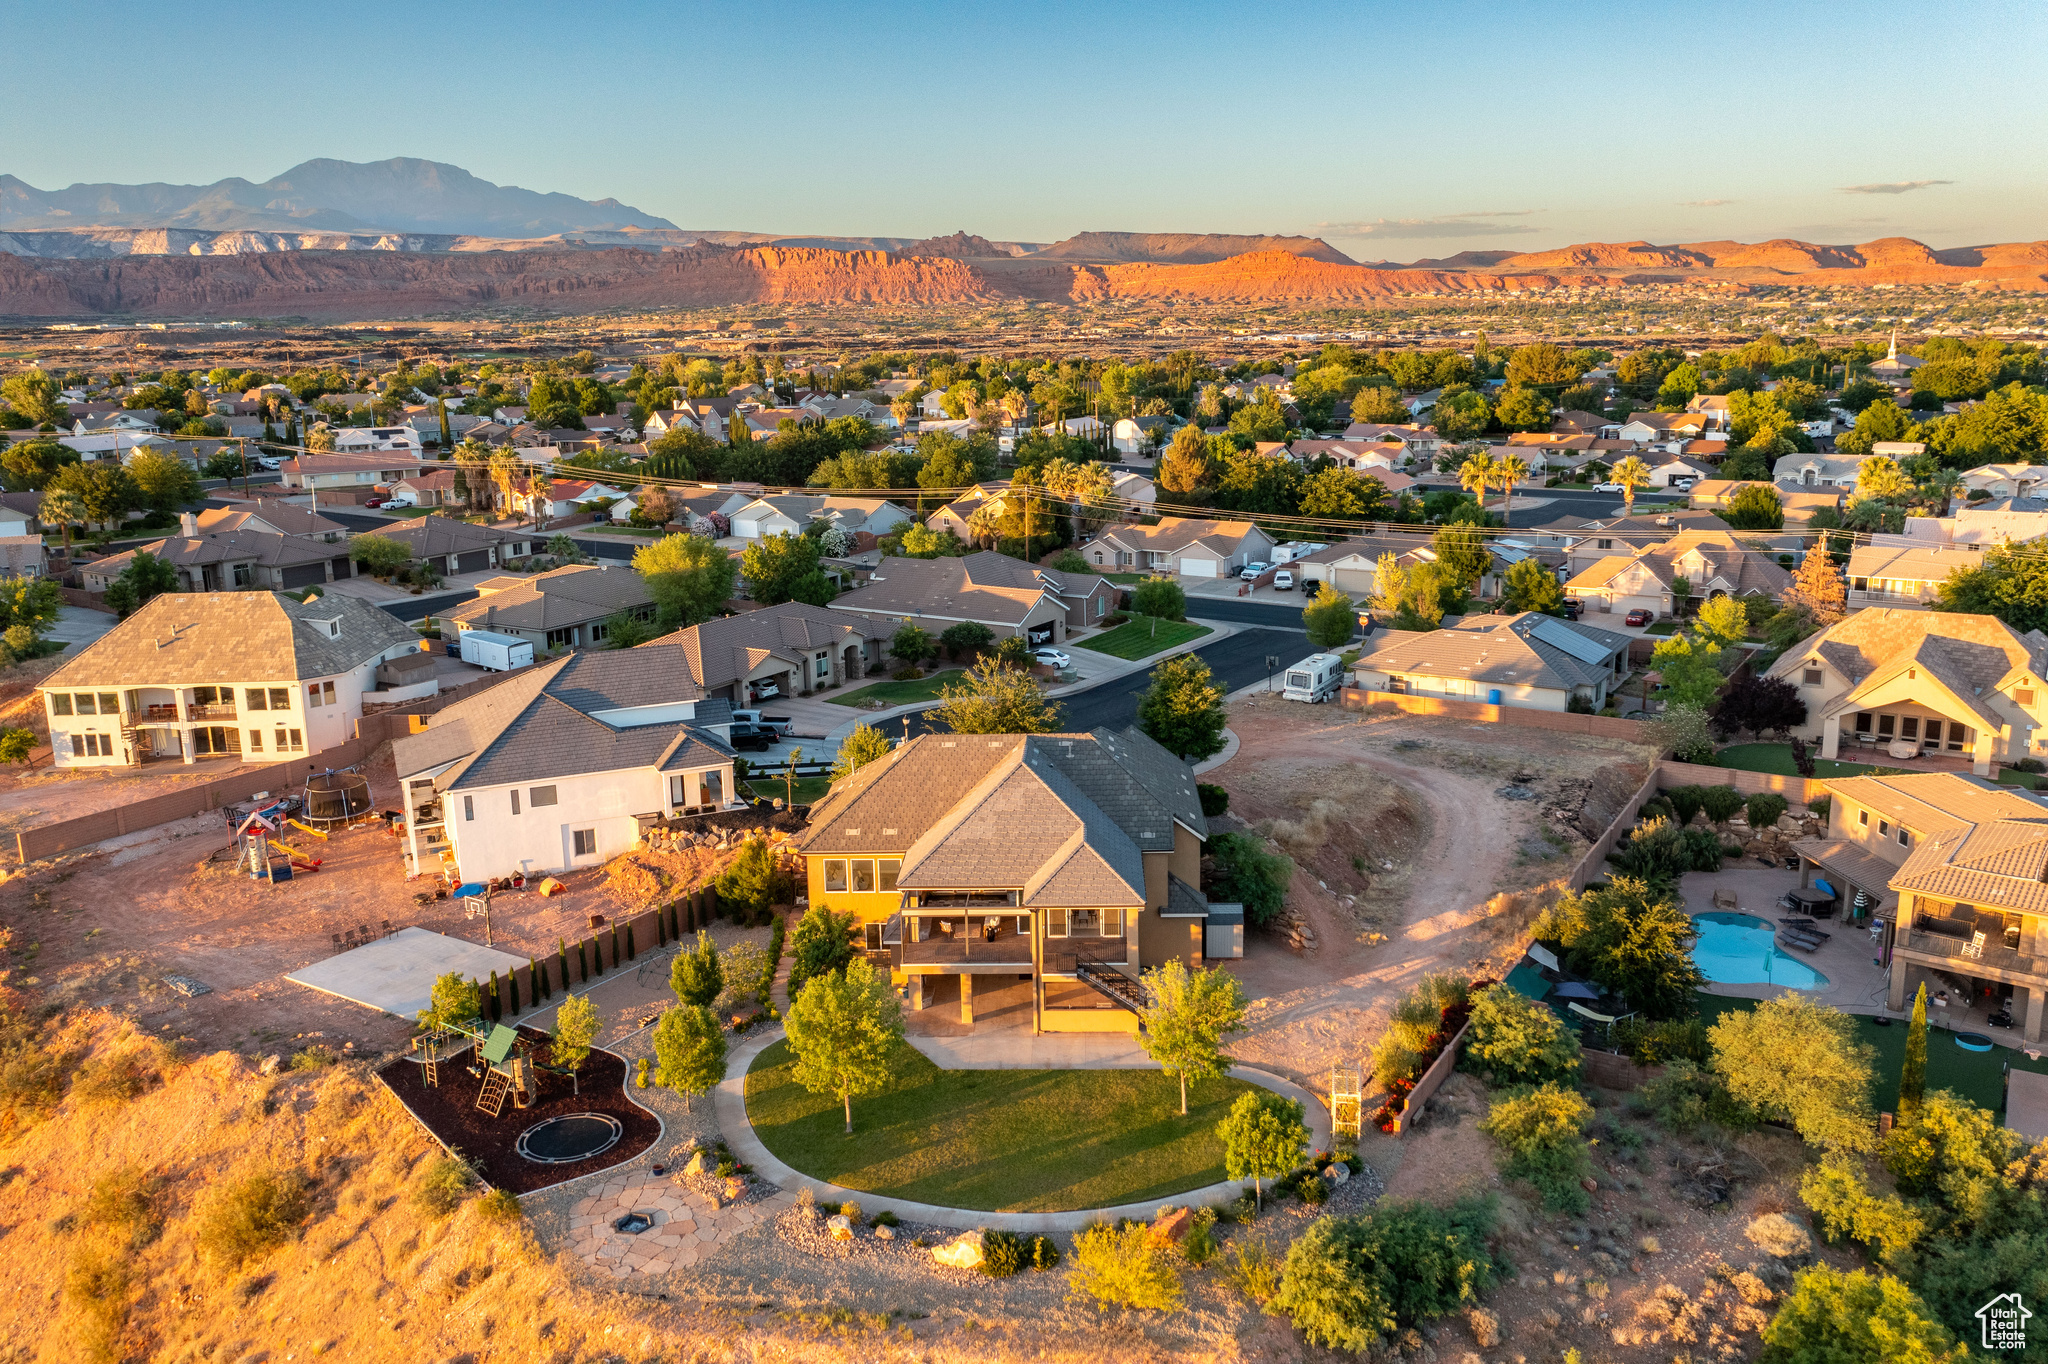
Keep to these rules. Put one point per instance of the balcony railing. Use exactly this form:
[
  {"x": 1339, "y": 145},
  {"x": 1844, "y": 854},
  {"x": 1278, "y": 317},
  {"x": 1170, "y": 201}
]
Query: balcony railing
[
  {"x": 1866, "y": 596},
  {"x": 1994, "y": 956},
  {"x": 215, "y": 712}
]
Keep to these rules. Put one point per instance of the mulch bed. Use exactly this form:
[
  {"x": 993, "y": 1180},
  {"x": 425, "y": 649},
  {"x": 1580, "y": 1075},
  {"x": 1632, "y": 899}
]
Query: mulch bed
[{"x": 489, "y": 1144}]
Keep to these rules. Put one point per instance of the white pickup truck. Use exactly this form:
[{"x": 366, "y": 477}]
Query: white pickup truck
[{"x": 778, "y": 723}]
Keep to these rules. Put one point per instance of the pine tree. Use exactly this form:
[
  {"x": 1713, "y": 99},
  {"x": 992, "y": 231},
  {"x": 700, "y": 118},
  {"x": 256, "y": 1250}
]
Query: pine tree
[
  {"x": 447, "y": 441},
  {"x": 1913, "y": 1075},
  {"x": 737, "y": 433},
  {"x": 615, "y": 945},
  {"x": 1818, "y": 588},
  {"x": 497, "y": 1000},
  {"x": 512, "y": 989},
  {"x": 629, "y": 942}
]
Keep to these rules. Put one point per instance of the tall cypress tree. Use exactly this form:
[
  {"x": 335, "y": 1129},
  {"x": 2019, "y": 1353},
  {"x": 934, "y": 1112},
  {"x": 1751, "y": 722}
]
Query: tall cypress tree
[
  {"x": 1913, "y": 1075},
  {"x": 447, "y": 442},
  {"x": 562, "y": 952},
  {"x": 497, "y": 1000}
]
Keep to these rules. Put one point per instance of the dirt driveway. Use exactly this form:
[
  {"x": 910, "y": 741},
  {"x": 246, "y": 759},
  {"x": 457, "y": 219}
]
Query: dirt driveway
[{"x": 1415, "y": 840}]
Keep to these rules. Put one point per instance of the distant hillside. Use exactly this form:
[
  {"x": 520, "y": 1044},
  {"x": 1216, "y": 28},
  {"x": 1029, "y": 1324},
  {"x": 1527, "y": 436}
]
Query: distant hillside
[
  {"x": 1182, "y": 248},
  {"x": 403, "y": 194}
]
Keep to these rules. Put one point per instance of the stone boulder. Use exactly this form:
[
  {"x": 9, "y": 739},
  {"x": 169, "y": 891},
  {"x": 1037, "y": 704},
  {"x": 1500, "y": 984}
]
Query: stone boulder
[
  {"x": 962, "y": 1252},
  {"x": 699, "y": 1163},
  {"x": 885, "y": 1233},
  {"x": 1338, "y": 1173},
  {"x": 839, "y": 1227},
  {"x": 1173, "y": 1226}
]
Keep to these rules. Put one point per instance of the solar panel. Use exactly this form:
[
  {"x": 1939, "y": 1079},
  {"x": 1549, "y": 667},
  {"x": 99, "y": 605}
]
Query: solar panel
[{"x": 1558, "y": 635}]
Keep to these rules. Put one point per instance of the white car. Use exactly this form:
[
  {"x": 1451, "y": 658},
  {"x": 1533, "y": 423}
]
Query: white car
[
  {"x": 1606, "y": 487},
  {"x": 1251, "y": 571},
  {"x": 766, "y": 691},
  {"x": 1283, "y": 581},
  {"x": 1050, "y": 658}
]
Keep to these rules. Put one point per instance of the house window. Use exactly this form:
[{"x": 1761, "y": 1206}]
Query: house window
[
  {"x": 85, "y": 703},
  {"x": 1863, "y": 722},
  {"x": 1056, "y": 923},
  {"x": 824, "y": 662},
  {"x": 1905, "y": 839},
  {"x": 1863, "y": 818},
  {"x": 1811, "y": 677},
  {"x": 1884, "y": 726},
  {"x": 541, "y": 795},
  {"x": 1112, "y": 923},
  {"x": 327, "y": 693},
  {"x": 280, "y": 698},
  {"x": 1884, "y": 827},
  {"x": 244, "y": 574},
  {"x": 313, "y": 696},
  {"x": 887, "y": 868},
  {"x": 863, "y": 877},
  {"x": 871, "y": 937},
  {"x": 515, "y": 802},
  {"x": 2023, "y": 697},
  {"x": 289, "y": 741},
  {"x": 257, "y": 699},
  {"x": 60, "y": 703},
  {"x": 835, "y": 875},
  {"x": 255, "y": 741},
  {"x": 1909, "y": 727},
  {"x": 468, "y": 808},
  {"x": 586, "y": 842}
]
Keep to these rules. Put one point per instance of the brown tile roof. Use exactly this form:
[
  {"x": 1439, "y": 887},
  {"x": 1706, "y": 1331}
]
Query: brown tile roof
[
  {"x": 187, "y": 638},
  {"x": 557, "y": 599},
  {"x": 728, "y": 648},
  {"x": 1975, "y": 841},
  {"x": 1179, "y": 532},
  {"x": 988, "y": 587}
]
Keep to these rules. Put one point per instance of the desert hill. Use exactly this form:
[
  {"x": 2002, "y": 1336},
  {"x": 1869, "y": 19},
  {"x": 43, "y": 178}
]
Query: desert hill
[{"x": 1182, "y": 248}]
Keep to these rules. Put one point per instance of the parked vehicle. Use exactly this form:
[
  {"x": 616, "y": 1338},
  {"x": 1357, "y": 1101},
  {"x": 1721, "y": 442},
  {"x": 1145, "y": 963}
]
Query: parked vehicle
[
  {"x": 766, "y": 691},
  {"x": 1606, "y": 487},
  {"x": 1283, "y": 581},
  {"x": 1050, "y": 658},
  {"x": 391, "y": 502},
  {"x": 1573, "y": 608},
  {"x": 1315, "y": 679},
  {"x": 1250, "y": 571},
  {"x": 778, "y": 725},
  {"x": 751, "y": 737},
  {"x": 1638, "y": 617},
  {"x": 373, "y": 502},
  {"x": 496, "y": 653}
]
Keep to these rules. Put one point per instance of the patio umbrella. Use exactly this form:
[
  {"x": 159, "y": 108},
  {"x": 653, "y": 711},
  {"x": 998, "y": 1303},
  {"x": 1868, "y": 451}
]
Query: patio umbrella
[{"x": 1573, "y": 989}]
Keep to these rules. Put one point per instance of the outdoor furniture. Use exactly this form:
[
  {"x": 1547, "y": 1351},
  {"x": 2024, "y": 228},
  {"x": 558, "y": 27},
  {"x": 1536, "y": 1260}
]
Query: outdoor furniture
[
  {"x": 337, "y": 941},
  {"x": 989, "y": 927},
  {"x": 1904, "y": 748}
]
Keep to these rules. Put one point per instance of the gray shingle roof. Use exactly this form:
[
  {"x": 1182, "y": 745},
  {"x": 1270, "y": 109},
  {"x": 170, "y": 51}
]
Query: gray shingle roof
[
  {"x": 558, "y": 598},
  {"x": 199, "y": 638},
  {"x": 431, "y": 536},
  {"x": 1497, "y": 650},
  {"x": 718, "y": 650},
  {"x": 988, "y": 587}
]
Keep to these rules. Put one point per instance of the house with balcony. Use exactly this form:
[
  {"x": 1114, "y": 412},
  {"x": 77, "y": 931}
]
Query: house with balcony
[
  {"x": 1954, "y": 870},
  {"x": 243, "y": 675},
  {"x": 1896, "y": 575},
  {"x": 564, "y": 765},
  {"x": 1027, "y": 880},
  {"x": 1905, "y": 683}
]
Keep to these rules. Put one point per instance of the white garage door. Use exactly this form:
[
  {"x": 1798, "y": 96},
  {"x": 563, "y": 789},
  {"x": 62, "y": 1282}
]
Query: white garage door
[
  {"x": 1354, "y": 579},
  {"x": 1198, "y": 568}
]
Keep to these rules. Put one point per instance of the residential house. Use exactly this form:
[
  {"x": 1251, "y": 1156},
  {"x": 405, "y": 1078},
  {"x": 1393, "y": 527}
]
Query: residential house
[
  {"x": 364, "y": 440},
  {"x": 1423, "y": 402},
  {"x": 1084, "y": 428},
  {"x": 359, "y": 473},
  {"x": 831, "y": 407},
  {"x": 564, "y": 608},
  {"x": 509, "y": 415},
  {"x": 2005, "y": 480},
  {"x": 1817, "y": 471},
  {"x": 1135, "y": 493},
  {"x": 144, "y": 419},
  {"x": 1904, "y": 575},
  {"x": 1800, "y": 503},
  {"x": 1187, "y": 546},
  {"x": 1540, "y": 448},
  {"x": 240, "y": 560},
  {"x": 932, "y": 405},
  {"x": 564, "y": 765},
  {"x": 1657, "y": 428},
  {"x": 1954, "y": 869},
  {"x": 1679, "y": 467},
  {"x": 1577, "y": 422},
  {"x": 1352, "y": 566},
  {"x": 449, "y": 547},
  {"x": 1712, "y": 563},
  {"x": 1527, "y": 659},
  {"x": 1421, "y": 441},
  {"x": 1897, "y": 449},
  {"x": 252, "y": 675},
  {"x": 272, "y": 515},
  {"x": 1138, "y": 435},
  {"x": 2005, "y": 520},
  {"x": 561, "y": 497},
  {"x": 954, "y": 516},
  {"x": 791, "y": 513},
  {"x": 667, "y": 423},
  {"x": 117, "y": 446},
  {"x": 23, "y": 556},
  {"x": 793, "y": 648},
  {"x": 1007, "y": 595},
  {"x": 1904, "y": 682},
  {"x": 1013, "y": 875},
  {"x": 18, "y": 514},
  {"x": 1588, "y": 542},
  {"x": 1714, "y": 407},
  {"x": 433, "y": 489}
]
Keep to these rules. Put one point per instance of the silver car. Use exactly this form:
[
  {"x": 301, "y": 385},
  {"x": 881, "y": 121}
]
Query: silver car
[{"x": 1050, "y": 658}]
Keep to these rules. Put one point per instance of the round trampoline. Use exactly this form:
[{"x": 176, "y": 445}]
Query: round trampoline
[
  {"x": 336, "y": 797},
  {"x": 570, "y": 1138},
  {"x": 1973, "y": 1041}
]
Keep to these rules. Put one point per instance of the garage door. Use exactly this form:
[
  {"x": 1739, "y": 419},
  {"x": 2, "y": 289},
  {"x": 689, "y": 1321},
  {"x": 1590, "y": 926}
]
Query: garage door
[
  {"x": 342, "y": 567},
  {"x": 1198, "y": 568},
  {"x": 1353, "y": 579},
  {"x": 1035, "y": 635},
  {"x": 305, "y": 575},
  {"x": 475, "y": 561}
]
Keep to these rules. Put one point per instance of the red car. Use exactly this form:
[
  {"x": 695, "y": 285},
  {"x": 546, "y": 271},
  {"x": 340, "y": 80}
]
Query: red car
[{"x": 1638, "y": 617}]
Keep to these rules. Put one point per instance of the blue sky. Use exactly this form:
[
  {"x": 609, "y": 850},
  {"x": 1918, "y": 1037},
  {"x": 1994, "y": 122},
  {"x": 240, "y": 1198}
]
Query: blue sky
[{"x": 1395, "y": 130}]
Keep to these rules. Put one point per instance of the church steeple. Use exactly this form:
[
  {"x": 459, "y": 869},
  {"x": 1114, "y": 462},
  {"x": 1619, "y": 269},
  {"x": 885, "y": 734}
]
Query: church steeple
[{"x": 1893, "y": 353}]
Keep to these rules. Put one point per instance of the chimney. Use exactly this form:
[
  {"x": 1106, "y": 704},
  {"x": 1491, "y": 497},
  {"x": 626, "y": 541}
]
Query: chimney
[{"x": 188, "y": 525}]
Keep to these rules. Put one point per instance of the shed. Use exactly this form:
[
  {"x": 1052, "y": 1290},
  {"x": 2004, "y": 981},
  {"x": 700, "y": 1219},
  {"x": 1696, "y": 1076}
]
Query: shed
[
  {"x": 2026, "y": 1103},
  {"x": 1223, "y": 934}
]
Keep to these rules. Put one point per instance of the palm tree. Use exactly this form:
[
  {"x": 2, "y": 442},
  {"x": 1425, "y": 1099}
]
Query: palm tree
[
  {"x": 1477, "y": 475},
  {"x": 1513, "y": 469},
  {"x": 1631, "y": 474},
  {"x": 61, "y": 507},
  {"x": 984, "y": 523}
]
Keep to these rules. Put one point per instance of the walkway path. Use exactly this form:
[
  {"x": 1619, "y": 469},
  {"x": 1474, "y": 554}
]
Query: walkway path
[
  {"x": 688, "y": 1226},
  {"x": 739, "y": 1135}
]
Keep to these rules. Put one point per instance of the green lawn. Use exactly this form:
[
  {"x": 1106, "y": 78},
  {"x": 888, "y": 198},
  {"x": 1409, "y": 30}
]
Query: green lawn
[
  {"x": 1662, "y": 627},
  {"x": 1143, "y": 636},
  {"x": 1976, "y": 1075},
  {"x": 1778, "y": 758},
  {"x": 768, "y": 786},
  {"x": 1125, "y": 579},
  {"x": 998, "y": 1140},
  {"x": 643, "y": 532},
  {"x": 900, "y": 693}
]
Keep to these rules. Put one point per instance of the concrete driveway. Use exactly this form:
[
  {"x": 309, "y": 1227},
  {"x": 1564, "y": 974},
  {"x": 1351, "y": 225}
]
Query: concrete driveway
[{"x": 80, "y": 625}]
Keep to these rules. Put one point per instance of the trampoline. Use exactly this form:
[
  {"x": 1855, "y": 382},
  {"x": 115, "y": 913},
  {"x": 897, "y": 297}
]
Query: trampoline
[
  {"x": 1973, "y": 1041},
  {"x": 570, "y": 1138},
  {"x": 336, "y": 798}
]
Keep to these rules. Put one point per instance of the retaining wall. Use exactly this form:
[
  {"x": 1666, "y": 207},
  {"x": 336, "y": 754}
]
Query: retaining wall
[
  {"x": 1603, "y": 726},
  {"x": 1795, "y": 789}
]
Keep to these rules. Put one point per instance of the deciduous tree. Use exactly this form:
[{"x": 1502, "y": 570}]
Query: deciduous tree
[
  {"x": 1182, "y": 710},
  {"x": 689, "y": 1051},
  {"x": 1800, "y": 1062},
  {"x": 843, "y": 1030},
  {"x": 997, "y": 699},
  {"x": 1329, "y": 618},
  {"x": 864, "y": 745},
  {"x": 1263, "y": 1138}
]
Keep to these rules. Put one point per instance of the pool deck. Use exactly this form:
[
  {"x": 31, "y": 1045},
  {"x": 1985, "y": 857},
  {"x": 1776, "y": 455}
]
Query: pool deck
[{"x": 1856, "y": 983}]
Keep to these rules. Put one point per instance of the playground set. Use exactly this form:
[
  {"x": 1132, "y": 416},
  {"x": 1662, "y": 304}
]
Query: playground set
[
  {"x": 505, "y": 1061},
  {"x": 334, "y": 798}
]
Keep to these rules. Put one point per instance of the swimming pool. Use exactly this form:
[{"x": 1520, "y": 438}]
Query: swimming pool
[{"x": 1740, "y": 949}]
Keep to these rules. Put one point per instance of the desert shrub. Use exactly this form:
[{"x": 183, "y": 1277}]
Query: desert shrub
[
  {"x": 1417, "y": 1029},
  {"x": 1251, "y": 876},
  {"x": 1687, "y": 1096},
  {"x": 885, "y": 1218},
  {"x": 1123, "y": 1267},
  {"x": 754, "y": 882},
  {"x": 1854, "y": 1318},
  {"x": 32, "y": 1072},
  {"x": 1002, "y": 1253},
  {"x": 1764, "y": 808},
  {"x": 1519, "y": 1040},
  {"x": 1778, "y": 1235},
  {"x": 1253, "y": 1270},
  {"x": 1543, "y": 1132},
  {"x": 1720, "y": 802},
  {"x": 1215, "y": 800},
  {"x": 1660, "y": 851},
  {"x": 1350, "y": 1281},
  {"x": 1650, "y": 1042},
  {"x": 96, "y": 1283},
  {"x": 127, "y": 1199},
  {"x": 247, "y": 1215},
  {"x": 441, "y": 1186},
  {"x": 1044, "y": 1254},
  {"x": 1685, "y": 802},
  {"x": 499, "y": 1205},
  {"x": 315, "y": 1057}
]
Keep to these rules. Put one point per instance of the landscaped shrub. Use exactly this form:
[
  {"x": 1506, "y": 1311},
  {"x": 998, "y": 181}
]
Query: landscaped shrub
[
  {"x": 1764, "y": 808},
  {"x": 1543, "y": 1132},
  {"x": 1685, "y": 802},
  {"x": 1819, "y": 805},
  {"x": 1199, "y": 1246},
  {"x": 1658, "y": 807},
  {"x": 1519, "y": 1040},
  {"x": 247, "y": 1215},
  {"x": 821, "y": 946},
  {"x": 1417, "y": 1029},
  {"x": 1124, "y": 1267},
  {"x": 1350, "y": 1281},
  {"x": 1660, "y": 851},
  {"x": 1215, "y": 800},
  {"x": 1253, "y": 1270},
  {"x": 1249, "y": 875},
  {"x": 1650, "y": 1042},
  {"x": 1044, "y": 1254},
  {"x": 885, "y": 1218},
  {"x": 442, "y": 1187},
  {"x": 1312, "y": 1189},
  {"x": 1002, "y": 1254},
  {"x": 1687, "y": 1096},
  {"x": 1720, "y": 801}
]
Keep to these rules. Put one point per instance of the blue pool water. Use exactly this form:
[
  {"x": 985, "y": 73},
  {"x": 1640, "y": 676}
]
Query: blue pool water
[{"x": 1740, "y": 949}]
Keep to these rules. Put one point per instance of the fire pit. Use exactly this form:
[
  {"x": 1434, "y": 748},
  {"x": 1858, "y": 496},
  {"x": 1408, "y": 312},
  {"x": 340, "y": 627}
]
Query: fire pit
[
  {"x": 569, "y": 1138},
  {"x": 633, "y": 1223}
]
